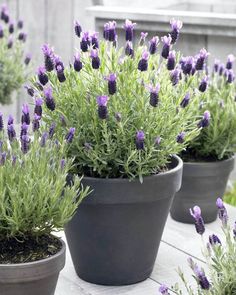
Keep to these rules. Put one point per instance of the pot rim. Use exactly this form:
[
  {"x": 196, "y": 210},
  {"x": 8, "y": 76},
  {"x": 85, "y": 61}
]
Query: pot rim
[
  {"x": 209, "y": 163},
  {"x": 161, "y": 174},
  {"x": 37, "y": 262}
]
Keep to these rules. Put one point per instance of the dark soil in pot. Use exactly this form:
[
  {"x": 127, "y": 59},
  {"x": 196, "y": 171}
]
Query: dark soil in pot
[
  {"x": 202, "y": 183},
  {"x": 38, "y": 277},
  {"x": 115, "y": 234}
]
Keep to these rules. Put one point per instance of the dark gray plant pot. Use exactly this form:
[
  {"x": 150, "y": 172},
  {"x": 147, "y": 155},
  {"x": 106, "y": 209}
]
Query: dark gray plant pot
[
  {"x": 202, "y": 184},
  {"x": 33, "y": 278},
  {"x": 116, "y": 231}
]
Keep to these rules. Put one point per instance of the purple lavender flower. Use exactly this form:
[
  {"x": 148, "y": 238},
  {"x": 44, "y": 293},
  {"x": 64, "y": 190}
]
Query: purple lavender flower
[
  {"x": 38, "y": 106},
  {"x": 24, "y": 129},
  {"x": 11, "y": 132},
  {"x": 111, "y": 83},
  {"x": 48, "y": 57},
  {"x": 143, "y": 63},
  {"x": 78, "y": 29},
  {"x": 129, "y": 30},
  {"x": 20, "y": 24},
  {"x": 229, "y": 63},
  {"x": 216, "y": 65},
  {"x": 62, "y": 164},
  {"x": 25, "y": 118},
  {"x": 140, "y": 137},
  {"x": 49, "y": 100},
  {"x": 109, "y": 32},
  {"x": 10, "y": 120},
  {"x": 43, "y": 139},
  {"x": 187, "y": 65},
  {"x": 164, "y": 290},
  {"x": 5, "y": 13},
  {"x": 42, "y": 76},
  {"x": 166, "y": 46},
  {"x": 214, "y": 240},
  {"x": 25, "y": 144},
  {"x": 118, "y": 116},
  {"x": 22, "y": 36},
  {"x": 193, "y": 71},
  {"x": 171, "y": 61},
  {"x": 3, "y": 157},
  {"x": 1, "y": 32},
  {"x": 60, "y": 73},
  {"x": 175, "y": 76},
  {"x": 230, "y": 76},
  {"x": 1, "y": 122},
  {"x": 35, "y": 123},
  {"x": 10, "y": 42},
  {"x": 11, "y": 27},
  {"x": 157, "y": 140},
  {"x": 199, "y": 223},
  {"x": 201, "y": 278},
  {"x": 205, "y": 121},
  {"x": 154, "y": 94},
  {"x": 77, "y": 63},
  {"x": 203, "y": 84},
  {"x": 222, "y": 212},
  {"x": 29, "y": 90},
  {"x": 95, "y": 59},
  {"x": 102, "y": 106},
  {"x": 143, "y": 37},
  {"x": 85, "y": 42},
  {"x": 176, "y": 26},
  {"x": 94, "y": 40},
  {"x": 28, "y": 58},
  {"x": 70, "y": 135},
  {"x": 153, "y": 43},
  {"x": 185, "y": 100},
  {"x": 129, "y": 49},
  {"x": 52, "y": 130},
  {"x": 180, "y": 137},
  {"x": 63, "y": 121},
  {"x": 200, "y": 59},
  {"x": 221, "y": 69}
]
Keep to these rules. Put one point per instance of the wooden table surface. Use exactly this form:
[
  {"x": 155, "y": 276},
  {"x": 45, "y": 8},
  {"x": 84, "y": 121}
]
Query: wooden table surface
[{"x": 179, "y": 241}]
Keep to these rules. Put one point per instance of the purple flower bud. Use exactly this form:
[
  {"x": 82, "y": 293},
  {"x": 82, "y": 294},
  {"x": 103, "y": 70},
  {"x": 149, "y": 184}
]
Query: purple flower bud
[
  {"x": 180, "y": 137},
  {"x": 143, "y": 63},
  {"x": 111, "y": 83},
  {"x": 11, "y": 27},
  {"x": 102, "y": 106},
  {"x": 200, "y": 59},
  {"x": 85, "y": 42},
  {"x": 222, "y": 212},
  {"x": 22, "y": 36},
  {"x": 153, "y": 43},
  {"x": 166, "y": 46},
  {"x": 109, "y": 32},
  {"x": 63, "y": 121},
  {"x": 38, "y": 106},
  {"x": 52, "y": 130},
  {"x": 94, "y": 40},
  {"x": 154, "y": 95},
  {"x": 77, "y": 63},
  {"x": 1, "y": 122},
  {"x": 3, "y": 157},
  {"x": 229, "y": 63},
  {"x": 129, "y": 30},
  {"x": 5, "y": 13},
  {"x": 216, "y": 65},
  {"x": 10, "y": 42},
  {"x": 203, "y": 84},
  {"x": 1, "y": 32},
  {"x": 185, "y": 100},
  {"x": 48, "y": 57},
  {"x": 20, "y": 24},
  {"x": 171, "y": 61},
  {"x": 44, "y": 138},
  {"x": 78, "y": 29},
  {"x": 201, "y": 278},
  {"x": 205, "y": 121},
  {"x": 143, "y": 37},
  {"x": 29, "y": 90},
  {"x": 164, "y": 290},
  {"x": 175, "y": 76},
  {"x": 25, "y": 144},
  {"x": 199, "y": 223},
  {"x": 70, "y": 135},
  {"x": 25, "y": 118},
  {"x": 95, "y": 59},
  {"x": 157, "y": 140},
  {"x": 118, "y": 117},
  {"x": 28, "y": 58},
  {"x": 60, "y": 74},
  {"x": 11, "y": 132},
  {"x": 63, "y": 164},
  {"x": 49, "y": 100},
  {"x": 129, "y": 49},
  {"x": 10, "y": 120},
  {"x": 214, "y": 240},
  {"x": 188, "y": 65},
  {"x": 35, "y": 123},
  {"x": 176, "y": 26},
  {"x": 140, "y": 137},
  {"x": 24, "y": 129},
  {"x": 42, "y": 76},
  {"x": 14, "y": 159},
  {"x": 191, "y": 263},
  {"x": 221, "y": 69},
  {"x": 230, "y": 76}
]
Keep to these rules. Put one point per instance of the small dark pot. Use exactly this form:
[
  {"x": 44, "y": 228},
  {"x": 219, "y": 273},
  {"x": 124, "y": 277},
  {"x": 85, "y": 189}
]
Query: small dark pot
[
  {"x": 116, "y": 231},
  {"x": 202, "y": 184},
  {"x": 37, "y": 278}
]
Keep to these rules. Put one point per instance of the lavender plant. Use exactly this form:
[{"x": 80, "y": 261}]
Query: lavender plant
[
  {"x": 220, "y": 256},
  {"x": 132, "y": 107},
  {"x": 34, "y": 197},
  {"x": 13, "y": 61}
]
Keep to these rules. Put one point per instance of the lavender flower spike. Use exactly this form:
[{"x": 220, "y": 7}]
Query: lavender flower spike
[
  {"x": 22, "y": 36},
  {"x": 28, "y": 58},
  {"x": 199, "y": 223},
  {"x": 24, "y": 129},
  {"x": 185, "y": 100},
  {"x": 143, "y": 37},
  {"x": 230, "y": 76},
  {"x": 166, "y": 46},
  {"x": 48, "y": 57},
  {"x": 70, "y": 135},
  {"x": 175, "y": 76},
  {"x": 94, "y": 40},
  {"x": 78, "y": 29},
  {"x": 153, "y": 43},
  {"x": 20, "y": 24},
  {"x": 3, "y": 157},
  {"x": 203, "y": 84},
  {"x": 1, "y": 122},
  {"x": 216, "y": 65},
  {"x": 222, "y": 212},
  {"x": 109, "y": 32},
  {"x": 43, "y": 139},
  {"x": 230, "y": 60},
  {"x": 176, "y": 26},
  {"x": 10, "y": 120},
  {"x": 42, "y": 76},
  {"x": 143, "y": 63},
  {"x": 201, "y": 278},
  {"x": 25, "y": 118},
  {"x": 35, "y": 123},
  {"x": 38, "y": 106},
  {"x": 52, "y": 130},
  {"x": 77, "y": 63},
  {"x": 85, "y": 41},
  {"x": 1, "y": 31},
  {"x": 200, "y": 59},
  {"x": 111, "y": 83},
  {"x": 25, "y": 144},
  {"x": 129, "y": 30},
  {"x": 102, "y": 106},
  {"x": 11, "y": 132},
  {"x": 180, "y": 137},
  {"x": 164, "y": 290},
  {"x": 221, "y": 69},
  {"x": 10, "y": 42},
  {"x": 214, "y": 240},
  {"x": 171, "y": 61},
  {"x": 49, "y": 100},
  {"x": 154, "y": 95},
  {"x": 129, "y": 49},
  {"x": 140, "y": 136},
  {"x": 11, "y": 27},
  {"x": 187, "y": 65},
  {"x": 95, "y": 59},
  {"x": 205, "y": 121}
]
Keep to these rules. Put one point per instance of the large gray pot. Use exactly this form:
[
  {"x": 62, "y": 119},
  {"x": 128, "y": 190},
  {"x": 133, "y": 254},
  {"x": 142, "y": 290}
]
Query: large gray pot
[
  {"x": 202, "y": 184},
  {"x": 116, "y": 231},
  {"x": 33, "y": 278}
]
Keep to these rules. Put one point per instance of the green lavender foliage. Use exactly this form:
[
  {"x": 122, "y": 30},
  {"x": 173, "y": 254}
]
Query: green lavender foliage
[
  {"x": 34, "y": 198},
  {"x": 218, "y": 141},
  {"x": 113, "y": 152}
]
